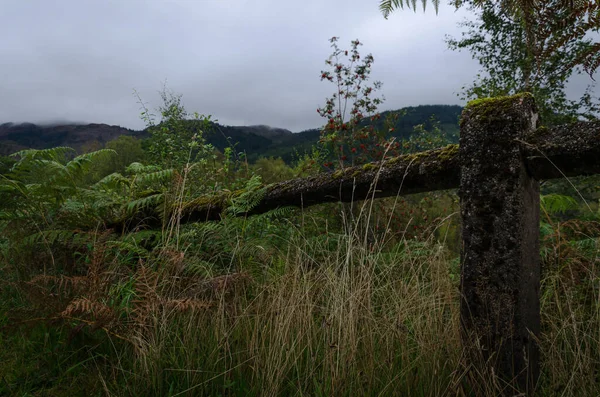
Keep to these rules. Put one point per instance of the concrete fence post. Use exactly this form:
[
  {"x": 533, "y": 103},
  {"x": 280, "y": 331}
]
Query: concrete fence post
[{"x": 500, "y": 275}]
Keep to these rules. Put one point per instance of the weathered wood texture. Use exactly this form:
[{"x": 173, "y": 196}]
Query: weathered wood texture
[
  {"x": 427, "y": 171},
  {"x": 500, "y": 274},
  {"x": 571, "y": 150}
]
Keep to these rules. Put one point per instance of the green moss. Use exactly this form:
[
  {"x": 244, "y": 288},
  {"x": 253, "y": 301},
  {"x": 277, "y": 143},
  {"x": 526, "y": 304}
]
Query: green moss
[
  {"x": 341, "y": 173},
  {"x": 368, "y": 166},
  {"x": 495, "y": 102},
  {"x": 489, "y": 108},
  {"x": 442, "y": 155},
  {"x": 418, "y": 156},
  {"x": 338, "y": 174},
  {"x": 448, "y": 152},
  {"x": 538, "y": 136},
  {"x": 217, "y": 200},
  {"x": 394, "y": 160}
]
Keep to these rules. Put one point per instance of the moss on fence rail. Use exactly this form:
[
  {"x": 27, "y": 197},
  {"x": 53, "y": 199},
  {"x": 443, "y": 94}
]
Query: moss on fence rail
[
  {"x": 412, "y": 173},
  {"x": 550, "y": 153},
  {"x": 567, "y": 150}
]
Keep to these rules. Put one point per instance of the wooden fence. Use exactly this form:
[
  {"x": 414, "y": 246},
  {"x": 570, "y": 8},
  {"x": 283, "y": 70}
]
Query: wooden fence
[{"x": 497, "y": 166}]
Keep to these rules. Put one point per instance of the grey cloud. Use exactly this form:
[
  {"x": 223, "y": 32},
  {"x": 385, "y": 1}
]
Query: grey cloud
[{"x": 244, "y": 62}]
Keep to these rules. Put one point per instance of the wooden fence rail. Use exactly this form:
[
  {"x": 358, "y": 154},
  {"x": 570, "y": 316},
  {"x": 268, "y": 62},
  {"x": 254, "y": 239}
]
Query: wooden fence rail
[
  {"x": 548, "y": 153},
  {"x": 497, "y": 166}
]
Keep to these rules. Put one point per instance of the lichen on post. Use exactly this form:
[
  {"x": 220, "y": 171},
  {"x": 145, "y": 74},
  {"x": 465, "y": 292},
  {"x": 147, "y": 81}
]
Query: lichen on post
[{"x": 500, "y": 275}]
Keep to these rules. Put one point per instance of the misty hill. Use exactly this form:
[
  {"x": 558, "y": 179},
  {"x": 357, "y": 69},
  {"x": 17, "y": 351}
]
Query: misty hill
[
  {"x": 15, "y": 137},
  {"x": 255, "y": 141},
  {"x": 264, "y": 141}
]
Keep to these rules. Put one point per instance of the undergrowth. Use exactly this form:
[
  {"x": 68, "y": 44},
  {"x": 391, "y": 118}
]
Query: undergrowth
[
  {"x": 266, "y": 306},
  {"x": 107, "y": 291}
]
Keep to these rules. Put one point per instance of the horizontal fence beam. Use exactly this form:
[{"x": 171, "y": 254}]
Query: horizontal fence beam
[
  {"x": 414, "y": 173},
  {"x": 570, "y": 150}
]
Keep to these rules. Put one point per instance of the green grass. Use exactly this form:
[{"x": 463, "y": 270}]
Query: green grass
[
  {"x": 283, "y": 304},
  {"x": 342, "y": 319}
]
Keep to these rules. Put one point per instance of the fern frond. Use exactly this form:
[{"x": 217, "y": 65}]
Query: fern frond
[
  {"x": 281, "y": 212},
  {"x": 12, "y": 187},
  {"x": 62, "y": 284},
  {"x": 200, "y": 268},
  {"x": 82, "y": 163},
  {"x": 52, "y": 167},
  {"x": 132, "y": 242},
  {"x": 59, "y": 153},
  {"x": 37, "y": 170},
  {"x": 87, "y": 307},
  {"x": 142, "y": 235},
  {"x": 128, "y": 247},
  {"x": 251, "y": 196},
  {"x": 587, "y": 246},
  {"x": 388, "y": 6},
  {"x": 145, "y": 202},
  {"x": 558, "y": 204},
  {"x": 111, "y": 182},
  {"x": 546, "y": 229},
  {"x": 202, "y": 231},
  {"x": 155, "y": 177},
  {"x": 139, "y": 168},
  {"x": 52, "y": 236}
]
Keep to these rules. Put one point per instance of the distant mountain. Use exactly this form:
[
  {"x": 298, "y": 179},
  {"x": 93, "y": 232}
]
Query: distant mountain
[
  {"x": 15, "y": 137},
  {"x": 256, "y": 141},
  {"x": 265, "y": 141}
]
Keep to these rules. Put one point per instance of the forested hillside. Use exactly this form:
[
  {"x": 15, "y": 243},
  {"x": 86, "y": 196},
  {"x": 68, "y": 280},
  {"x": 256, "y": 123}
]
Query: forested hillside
[
  {"x": 255, "y": 141},
  {"x": 15, "y": 137}
]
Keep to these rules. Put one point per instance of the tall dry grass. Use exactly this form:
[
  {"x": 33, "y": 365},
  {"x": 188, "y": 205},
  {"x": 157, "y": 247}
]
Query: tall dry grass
[
  {"x": 346, "y": 317},
  {"x": 355, "y": 321},
  {"x": 356, "y": 313}
]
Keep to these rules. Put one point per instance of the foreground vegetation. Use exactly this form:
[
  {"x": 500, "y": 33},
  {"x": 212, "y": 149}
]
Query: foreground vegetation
[
  {"x": 341, "y": 300},
  {"x": 332, "y": 314}
]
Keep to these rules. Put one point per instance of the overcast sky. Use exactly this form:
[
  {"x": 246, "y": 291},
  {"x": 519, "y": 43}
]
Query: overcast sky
[{"x": 245, "y": 62}]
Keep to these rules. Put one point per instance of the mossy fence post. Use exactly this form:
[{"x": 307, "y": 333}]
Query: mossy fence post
[{"x": 500, "y": 276}]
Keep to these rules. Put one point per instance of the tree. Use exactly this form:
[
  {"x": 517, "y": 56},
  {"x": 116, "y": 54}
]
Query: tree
[
  {"x": 129, "y": 150},
  {"x": 498, "y": 40},
  {"x": 126, "y": 150},
  {"x": 345, "y": 134},
  {"x": 547, "y": 24},
  {"x": 177, "y": 139},
  {"x": 272, "y": 170},
  {"x": 6, "y": 164}
]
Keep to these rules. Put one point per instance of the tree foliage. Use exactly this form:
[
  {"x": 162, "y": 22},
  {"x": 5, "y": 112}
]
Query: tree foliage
[
  {"x": 388, "y": 6},
  {"x": 547, "y": 24},
  {"x": 498, "y": 41},
  {"x": 345, "y": 134},
  {"x": 175, "y": 140}
]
